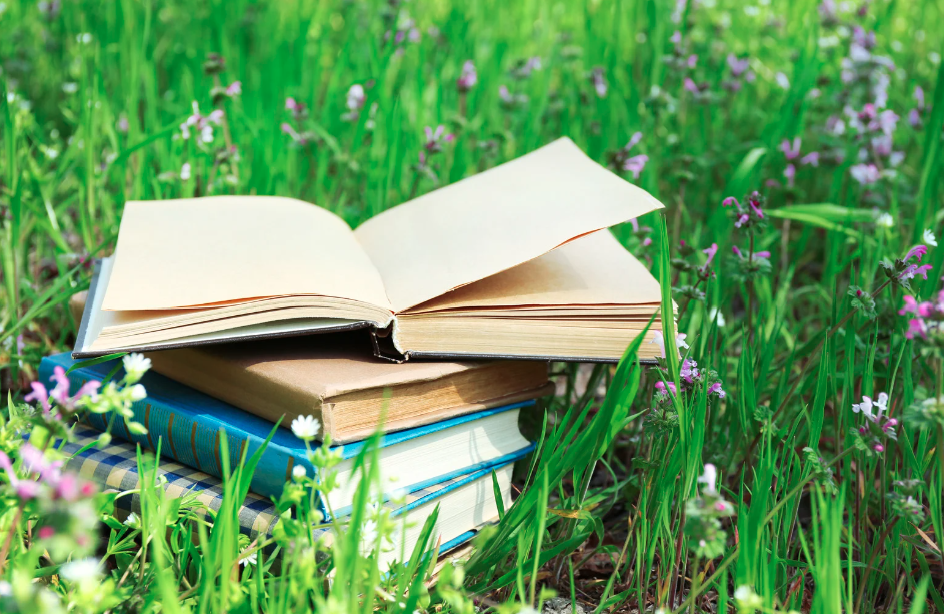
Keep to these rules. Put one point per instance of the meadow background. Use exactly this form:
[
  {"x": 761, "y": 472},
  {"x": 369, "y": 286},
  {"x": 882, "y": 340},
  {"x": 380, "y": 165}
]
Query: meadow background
[{"x": 832, "y": 111}]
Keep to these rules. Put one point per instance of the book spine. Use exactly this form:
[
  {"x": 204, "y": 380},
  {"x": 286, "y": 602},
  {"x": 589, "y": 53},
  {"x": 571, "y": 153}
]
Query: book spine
[{"x": 191, "y": 439}]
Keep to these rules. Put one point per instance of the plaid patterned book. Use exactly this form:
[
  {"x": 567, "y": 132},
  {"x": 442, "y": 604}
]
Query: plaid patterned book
[{"x": 115, "y": 467}]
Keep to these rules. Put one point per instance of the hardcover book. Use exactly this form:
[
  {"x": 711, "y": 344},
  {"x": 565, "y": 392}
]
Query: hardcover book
[
  {"x": 349, "y": 391},
  {"x": 516, "y": 261},
  {"x": 189, "y": 426},
  {"x": 466, "y": 501}
]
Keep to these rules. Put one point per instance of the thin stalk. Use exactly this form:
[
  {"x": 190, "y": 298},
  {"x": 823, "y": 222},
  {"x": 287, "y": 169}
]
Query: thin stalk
[{"x": 868, "y": 566}]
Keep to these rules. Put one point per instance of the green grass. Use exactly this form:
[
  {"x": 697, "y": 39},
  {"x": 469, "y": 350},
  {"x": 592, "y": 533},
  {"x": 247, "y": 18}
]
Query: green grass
[{"x": 603, "y": 519}]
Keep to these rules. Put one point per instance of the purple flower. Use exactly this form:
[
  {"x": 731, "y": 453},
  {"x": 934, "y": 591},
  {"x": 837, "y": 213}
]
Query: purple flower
[
  {"x": 865, "y": 174},
  {"x": 690, "y": 86},
  {"x": 918, "y": 251},
  {"x": 61, "y": 391},
  {"x": 914, "y": 118},
  {"x": 600, "y": 84},
  {"x": 919, "y": 97},
  {"x": 791, "y": 151},
  {"x": 710, "y": 251},
  {"x": 689, "y": 371},
  {"x": 39, "y": 395},
  {"x": 468, "y": 77},
  {"x": 811, "y": 159},
  {"x": 436, "y": 138},
  {"x": 738, "y": 67},
  {"x": 633, "y": 140},
  {"x": 676, "y": 37},
  {"x": 692, "y": 60},
  {"x": 203, "y": 123},
  {"x": 790, "y": 174},
  {"x": 234, "y": 89},
  {"x": 636, "y": 164},
  {"x": 731, "y": 201},
  {"x": 661, "y": 387},
  {"x": 716, "y": 389}
]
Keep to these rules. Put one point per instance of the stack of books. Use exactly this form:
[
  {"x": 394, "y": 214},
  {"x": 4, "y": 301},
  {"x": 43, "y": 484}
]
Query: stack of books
[{"x": 433, "y": 321}]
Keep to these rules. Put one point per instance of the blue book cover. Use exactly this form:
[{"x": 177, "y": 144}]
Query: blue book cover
[{"x": 189, "y": 426}]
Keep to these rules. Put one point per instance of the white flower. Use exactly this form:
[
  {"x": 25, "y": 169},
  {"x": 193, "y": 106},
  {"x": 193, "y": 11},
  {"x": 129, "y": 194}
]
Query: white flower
[
  {"x": 138, "y": 392},
  {"x": 81, "y": 570},
  {"x": 929, "y": 238},
  {"x": 867, "y": 404},
  {"x": 136, "y": 365},
  {"x": 715, "y": 315},
  {"x": 782, "y": 80},
  {"x": 6, "y": 589},
  {"x": 659, "y": 340},
  {"x": 299, "y": 472},
  {"x": 306, "y": 427},
  {"x": 747, "y": 600},
  {"x": 185, "y": 171},
  {"x": 708, "y": 478},
  {"x": 132, "y": 521},
  {"x": 885, "y": 220},
  {"x": 248, "y": 559},
  {"x": 369, "y": 535},
  {"x": 70, "y": 87}
]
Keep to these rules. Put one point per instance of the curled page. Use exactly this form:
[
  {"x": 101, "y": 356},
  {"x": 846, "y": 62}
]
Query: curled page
[{"x": 495, "y": 220}]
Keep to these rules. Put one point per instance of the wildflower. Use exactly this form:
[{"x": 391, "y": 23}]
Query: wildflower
[
  {"x": 369, "y": 535},
  {"x": 811, "y": 159},
  {"x": 865, "y": 174},
  {"x": 299, "y": 472},
  {"x": 287, "y": 129},
  {"x": 885, "y": 220},
  {"x": 867, "y": 405},
  {"x": 598, "y": 79},
  {"x": 234, "y": 89},
  {"x": 40, "y": 395},
  {"x": 746, "y": 217},
  {"x": 790, "y": 173},
  {"x": 297, "y": 109},
  {"x": 690, "y": 86},
  {"x": 710, "y": 251},
  {"x": 716, "y": 387},
  {"x": 709, "y": 477},
  {"x": 185, "y": 172},
  {"x": 214, "y": 64},
  {"x": 306, "y": 427},
  {"x": 636, "y": 165},
  {"x": 133, "y": 521},
  {"x": 436, "y": 138},
  {"x": 248, "y": 559},
  {"x": 662, "y": 388},
  {"x": 659, "y": 340},
  {"x": 81, "y": 570},
  {"x": 737, "y": 66},
  {"x": 929, "y": 237},
  {"x": 467, "y": 78},
  {"x": 715, "y": 315},
  {"x": 25, "y": 489},
  {"x": 203, "y": 123},
  {"x": 782, "y": 80},
  {"x": 791, "y": 151},
  {"x": 135, "y": 366},
  {"x": 356, "y": 97},
  {"x": 747, "y": 600},
  {"x": 689, "y": 371}
]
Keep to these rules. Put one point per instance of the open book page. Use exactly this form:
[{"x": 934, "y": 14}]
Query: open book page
[
  {"x": 217, "y": 250},
  {"x": 495, "y": 220},
  {"x": 594, "y": 270}
]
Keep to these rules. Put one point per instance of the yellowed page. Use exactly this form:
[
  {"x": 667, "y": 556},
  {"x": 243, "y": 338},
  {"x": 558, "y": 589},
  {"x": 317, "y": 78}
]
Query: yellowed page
[
  {"x": 199, "y": 251},
  {"x": 592, "y": 270},
  {"x": 495, "y": 220}
]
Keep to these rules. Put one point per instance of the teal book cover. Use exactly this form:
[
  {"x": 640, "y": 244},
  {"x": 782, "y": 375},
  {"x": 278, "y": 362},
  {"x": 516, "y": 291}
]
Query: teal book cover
[{"x": 190, "y": 427}]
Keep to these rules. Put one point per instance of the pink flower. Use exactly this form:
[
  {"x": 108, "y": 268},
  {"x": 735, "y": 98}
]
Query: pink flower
[
  {"x": 916, "y": 326},
  {"x": 730, "y": 201},
  {"x": 692, "y": 60},
  {"x": 790, "y": 174},
  {"x": 633, "y": 140},
  {"x": 61, "y": 391},
  {"x": 25, "y": 489},
  {"x": 689, "y": 370},
  {"x": 690, "y": 86},
  {"x": 710, "y": 251},
  {"x": 865, "y": 174},
  {"x": 435, "y": 139},
  {"x": 738, "y": 67},
  {"x": 811, "y": 159},
  {"x": 791, "y": 151},
  {"x": 661, "y": 387},
  {"x": 913, "y": 269},
  {"x": 763, "y": 254},
  {"x": 676, "y": 37},
  {"x": 234, "y": 89},
  {"x": 919, "y": 96},
  {"x": 918, "y": 251},
  {"x": 39, "y": 395},
  {"x": 911, "y": 305},
  {"x": 636, "y": 165},
  {"x": 468, "y": 77},
  {"x": 914, "y": 118},
  {"x": 716, "y": 389},
  {"x": 355, "y": 97},
  {"x": 45, "y": 532}
]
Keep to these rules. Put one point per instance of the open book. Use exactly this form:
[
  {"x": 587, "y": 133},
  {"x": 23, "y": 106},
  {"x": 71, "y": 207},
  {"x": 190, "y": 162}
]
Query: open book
[{"x": 513, "y": 262}]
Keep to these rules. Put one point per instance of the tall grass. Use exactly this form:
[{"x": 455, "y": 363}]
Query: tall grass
[{"x": 93, "y": 97}]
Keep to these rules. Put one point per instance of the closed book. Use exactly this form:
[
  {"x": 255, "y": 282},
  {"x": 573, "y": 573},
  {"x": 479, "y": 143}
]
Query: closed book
[
  {"x": 190, "y": 425},
  {"x": 514, "y": 262},
  {"x": 466, "y": 501}
]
